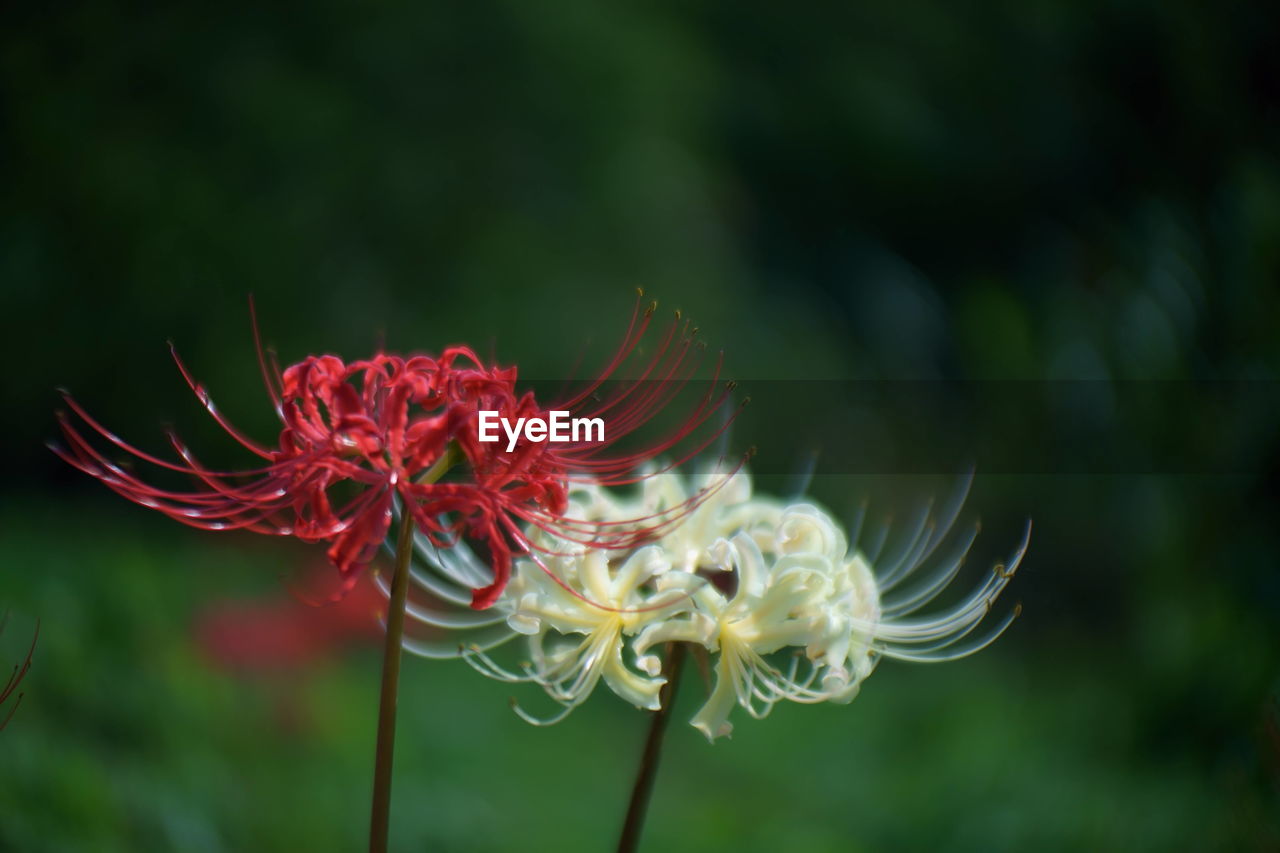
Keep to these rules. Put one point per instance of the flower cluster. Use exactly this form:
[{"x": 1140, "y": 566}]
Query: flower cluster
[
  {"x": 773, "y": 589},
  {"x": 362, "y": 439}
]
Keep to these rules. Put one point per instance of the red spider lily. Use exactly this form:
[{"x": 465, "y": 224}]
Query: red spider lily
[
  {"x": 19, "y": 672},
  {"x": 386, "y": 427}
]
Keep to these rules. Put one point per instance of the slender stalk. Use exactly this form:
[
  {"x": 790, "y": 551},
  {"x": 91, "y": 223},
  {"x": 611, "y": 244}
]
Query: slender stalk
[
  {"x": 384, "y": 754},
  {"x": 629, "y": 841},
  {"x": 379, "y": 823}
]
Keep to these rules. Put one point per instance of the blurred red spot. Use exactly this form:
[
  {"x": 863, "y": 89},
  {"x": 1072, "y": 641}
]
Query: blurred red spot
[{"x": 282, "y": 632}]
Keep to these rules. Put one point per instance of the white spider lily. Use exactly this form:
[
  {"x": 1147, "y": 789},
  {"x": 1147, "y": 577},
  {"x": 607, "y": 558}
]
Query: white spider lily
[
  {"x": 776, "y": 591},
  {"x": 798, "y": 587},
  {"x": 601, "y": 607},
  {"x": 794, "y": 589},
  {"x": 578, "y": 607}
]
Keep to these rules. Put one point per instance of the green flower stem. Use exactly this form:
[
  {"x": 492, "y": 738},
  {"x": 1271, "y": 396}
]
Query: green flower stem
[
  {"x": 629, "y": 841},
  {"x": 379, "y": 822}
]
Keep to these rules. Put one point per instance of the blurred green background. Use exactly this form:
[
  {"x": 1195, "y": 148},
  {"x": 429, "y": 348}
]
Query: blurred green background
[{"x": 1052, "y": 192}]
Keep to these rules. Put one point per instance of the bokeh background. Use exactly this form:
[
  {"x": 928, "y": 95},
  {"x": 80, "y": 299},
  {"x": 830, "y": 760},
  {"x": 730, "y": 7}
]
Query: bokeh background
[{"x": 1064, "y": 208}]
